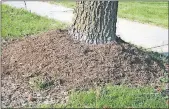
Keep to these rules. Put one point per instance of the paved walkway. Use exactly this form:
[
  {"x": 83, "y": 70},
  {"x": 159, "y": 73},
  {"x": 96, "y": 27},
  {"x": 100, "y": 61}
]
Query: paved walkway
[{"x": 144, "y": 35}]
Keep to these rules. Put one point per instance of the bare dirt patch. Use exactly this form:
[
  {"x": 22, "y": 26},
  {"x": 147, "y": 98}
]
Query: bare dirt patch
[{"x": 69, "y": 64}]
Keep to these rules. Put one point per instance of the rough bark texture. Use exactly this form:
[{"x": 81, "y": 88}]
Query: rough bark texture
[{"x": 95, "y": 21}]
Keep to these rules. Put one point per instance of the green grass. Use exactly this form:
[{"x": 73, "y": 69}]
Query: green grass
[
  {"x": 146, "y": 12},
  {"x": 114, "y": 97},
  {"x": 155, "y": 13},
  {"x": 19, "y": 23}
]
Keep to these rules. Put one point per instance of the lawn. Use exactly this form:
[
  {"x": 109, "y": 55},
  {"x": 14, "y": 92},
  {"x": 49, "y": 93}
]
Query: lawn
[
  {"x": 114, "y": 97},
  {"x": 19, "y": 23},
  {"x": 146, "y": 12},
  {"x": 155, "y": 13}
]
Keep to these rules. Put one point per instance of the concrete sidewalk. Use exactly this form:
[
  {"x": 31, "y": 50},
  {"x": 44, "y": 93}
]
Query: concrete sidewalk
[{"x": 144, "y": 35}]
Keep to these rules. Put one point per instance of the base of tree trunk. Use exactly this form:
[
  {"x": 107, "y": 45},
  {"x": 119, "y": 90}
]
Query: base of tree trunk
[{"x": 95, "y": 22}]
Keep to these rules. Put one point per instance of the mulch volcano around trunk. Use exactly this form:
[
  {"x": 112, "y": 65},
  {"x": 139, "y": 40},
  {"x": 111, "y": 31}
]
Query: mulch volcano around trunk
[{"x": 69, "y": 64}]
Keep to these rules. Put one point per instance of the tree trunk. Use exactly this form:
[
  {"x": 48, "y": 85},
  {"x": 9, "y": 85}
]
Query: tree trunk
[{"x": 95, "y": 21}]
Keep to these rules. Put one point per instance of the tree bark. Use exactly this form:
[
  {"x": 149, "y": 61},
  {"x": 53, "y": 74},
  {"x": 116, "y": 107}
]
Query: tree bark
[{"x": 95, "y": 21}]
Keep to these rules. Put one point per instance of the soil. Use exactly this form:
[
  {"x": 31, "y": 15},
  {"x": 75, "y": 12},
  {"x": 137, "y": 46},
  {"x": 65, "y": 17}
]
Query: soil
[{"x": 69, "y": 64}]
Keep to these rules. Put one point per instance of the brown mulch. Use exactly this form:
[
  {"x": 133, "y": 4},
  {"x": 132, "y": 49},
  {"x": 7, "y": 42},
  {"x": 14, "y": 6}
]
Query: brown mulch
[{"x": 54, "y": 56}]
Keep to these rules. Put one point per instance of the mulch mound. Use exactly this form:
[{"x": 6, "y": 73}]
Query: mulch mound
[{"x": 54, "y": 56}]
